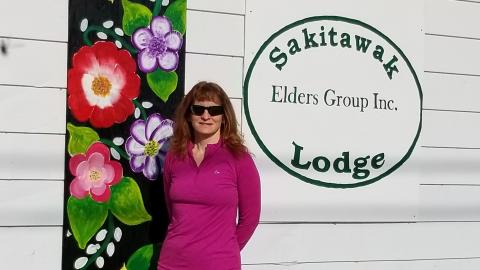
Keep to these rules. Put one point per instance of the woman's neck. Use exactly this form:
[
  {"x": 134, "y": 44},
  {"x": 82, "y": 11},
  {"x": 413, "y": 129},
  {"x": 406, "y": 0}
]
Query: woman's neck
[{"x": 201, "y": 143}]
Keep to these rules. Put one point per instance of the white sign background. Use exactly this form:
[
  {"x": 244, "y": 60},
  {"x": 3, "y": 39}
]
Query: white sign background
[{"x": 285, "y": 197}]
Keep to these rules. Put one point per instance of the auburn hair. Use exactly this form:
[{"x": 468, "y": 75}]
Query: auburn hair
[{"x": 183, "y": 131}]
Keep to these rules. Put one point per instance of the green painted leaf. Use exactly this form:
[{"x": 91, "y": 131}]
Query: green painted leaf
[
  {"x": 86, "y": 217},
  {"x": 140, "y": 259},
  {"x": 126, "y": 202},
  {"x": 162, "y": 83},
  {"x": 177, "y": 13},
  {"x": 134, "y": 16},
  {"x": 80, "y": 138}
]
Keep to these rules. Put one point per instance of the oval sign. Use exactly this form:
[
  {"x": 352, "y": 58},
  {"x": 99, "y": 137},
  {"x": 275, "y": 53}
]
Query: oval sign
[{"x": 333, "y": 102}]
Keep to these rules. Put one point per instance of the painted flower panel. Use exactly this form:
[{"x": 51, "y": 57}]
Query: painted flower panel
[
  {"x": 102, "y": 84},
  {"x": 148, "y": 143},
  {"x": 108, "y": 89}
]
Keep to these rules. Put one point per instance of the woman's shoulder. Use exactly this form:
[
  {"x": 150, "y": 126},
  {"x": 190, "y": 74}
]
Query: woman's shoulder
[
  {"x": 242, "y": 158},
  {"x": 172, "y": 157}
]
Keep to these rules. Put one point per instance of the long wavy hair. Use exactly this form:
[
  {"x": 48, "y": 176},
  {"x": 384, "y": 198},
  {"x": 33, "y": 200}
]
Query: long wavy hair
[{"x": 183, "y": 131}]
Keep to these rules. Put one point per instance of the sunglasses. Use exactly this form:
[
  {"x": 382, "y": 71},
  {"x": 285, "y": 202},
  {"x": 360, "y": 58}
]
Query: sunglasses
[{"x": 198, "y": 110}]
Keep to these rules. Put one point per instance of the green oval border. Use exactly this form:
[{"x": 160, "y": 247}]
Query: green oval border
[{"x": 278, "y": 162}]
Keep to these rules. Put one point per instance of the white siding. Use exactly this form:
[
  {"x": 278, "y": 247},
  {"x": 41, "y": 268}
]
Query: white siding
[
  {"x": 225, "y": 70},
  {"x": 214, "y": 33},
  {"x": 27, "y": 109},
  {"x": 450, "y": 129},
  {"x": 25, "y": 248},
  {"x": 32, "y": 128},
  {"x": 31, "y": 203},
  {"x": 44, "y": 20},
  {"x": 31, "y": 156},
  {"x": 35, "y": 63},
  {"x": 451, "y": 92},
  {"x": 361, "y": 242}
]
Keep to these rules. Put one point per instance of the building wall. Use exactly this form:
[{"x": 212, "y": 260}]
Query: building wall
[{"x": 33, "y": 66}]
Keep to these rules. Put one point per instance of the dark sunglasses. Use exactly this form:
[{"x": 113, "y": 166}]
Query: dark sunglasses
[{"x": 198, "y": 110}]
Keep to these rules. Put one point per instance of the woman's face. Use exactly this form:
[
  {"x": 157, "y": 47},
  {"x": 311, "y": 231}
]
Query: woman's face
[{"x": 206, "y": 122}]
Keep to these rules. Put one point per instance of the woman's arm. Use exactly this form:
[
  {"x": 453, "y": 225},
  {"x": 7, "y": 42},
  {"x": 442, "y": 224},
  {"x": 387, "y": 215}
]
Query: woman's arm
[{"x": 248, "y": 186}]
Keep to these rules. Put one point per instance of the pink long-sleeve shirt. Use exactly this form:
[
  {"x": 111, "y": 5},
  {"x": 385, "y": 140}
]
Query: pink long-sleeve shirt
[{"x": 203, "y": 201}]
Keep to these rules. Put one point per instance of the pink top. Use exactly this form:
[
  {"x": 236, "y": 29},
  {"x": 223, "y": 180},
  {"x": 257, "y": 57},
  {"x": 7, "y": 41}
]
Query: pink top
[{"x": 203, "y": 201}]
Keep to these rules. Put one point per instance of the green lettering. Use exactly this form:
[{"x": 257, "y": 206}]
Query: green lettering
[
  {"x": 345, "y": 41},
  {"x": 362, "y": 43},
  {"x": 344, "y": 162},
  {"x": 294, "y": 48},
  {"x": 309, "y": 42},
  {"x": 296, "y": 158},
  {"x": 275, "y": 57},
  {"x": 378, "y": 53}
]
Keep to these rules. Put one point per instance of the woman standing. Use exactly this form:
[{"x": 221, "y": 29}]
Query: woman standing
[{"x": 209, "y": 176}]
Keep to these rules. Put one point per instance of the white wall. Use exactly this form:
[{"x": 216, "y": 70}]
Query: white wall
[{"x": 32, "y": 130}]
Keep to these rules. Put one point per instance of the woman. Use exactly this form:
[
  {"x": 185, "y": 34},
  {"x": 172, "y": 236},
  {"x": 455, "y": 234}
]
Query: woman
[{"x": 208, "y": 176}]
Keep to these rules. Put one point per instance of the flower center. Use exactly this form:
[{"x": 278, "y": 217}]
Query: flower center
[
  {"x": 157, "y": 46},
  {"x": 151, "y": 148},
  {"x": 101, "y": 86},
  {"x": 94, "y": 175}
]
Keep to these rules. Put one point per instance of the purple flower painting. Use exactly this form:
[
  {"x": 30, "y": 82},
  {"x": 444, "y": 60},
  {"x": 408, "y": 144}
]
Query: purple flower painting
[
  {"x": 158, "y": 45},
  {"x": 147, "y": 144}
]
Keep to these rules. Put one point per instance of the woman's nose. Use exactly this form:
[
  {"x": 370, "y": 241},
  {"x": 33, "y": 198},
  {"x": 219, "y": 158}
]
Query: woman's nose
[{"x": 205, "y": 114}]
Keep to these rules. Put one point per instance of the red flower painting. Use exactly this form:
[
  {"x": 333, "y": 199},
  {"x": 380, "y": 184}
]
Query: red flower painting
[{"x": 102, "y": 84}]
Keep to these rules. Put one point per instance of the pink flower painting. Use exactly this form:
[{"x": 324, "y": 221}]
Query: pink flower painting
[{"x": 94, "y": 173}]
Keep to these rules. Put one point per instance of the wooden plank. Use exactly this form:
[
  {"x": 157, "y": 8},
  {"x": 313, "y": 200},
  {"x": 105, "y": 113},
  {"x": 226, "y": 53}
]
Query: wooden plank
[
  {"x": 226, "y": 71},
  {"x": 26, "y": 109},
  {"x": 450, "y": 129},
  {"x": 35, "y": 63},
  {"x": 31, "y": 203},
  {"x": 35, "y": 19},
  {"x": 214, "y": 33},
  {"x": 228, "y": 6},
  {"x": 457, "y": 18},
  {"x": 31, "y": 248},
  {"x": 451, "y": 92},
  {"x": 361, "y": 242},
  {"x": 449, "y": 203},
  {"x": 31, "y": 156},
  {"x": 237, "y": 107},
  {"x": 452, "y": 55},
  {"x": 464, "y": 264},
  {"x": 34, "y": 247},
  {"x": 447, "y": 166}
]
